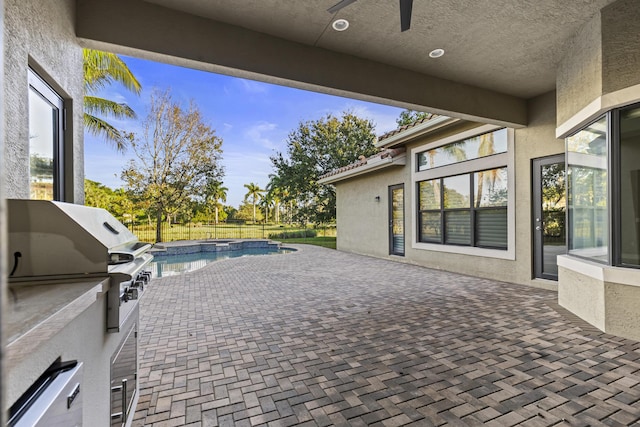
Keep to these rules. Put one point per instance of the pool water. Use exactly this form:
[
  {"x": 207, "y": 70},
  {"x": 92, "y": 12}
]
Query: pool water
[{"x": 170, "y": 265}]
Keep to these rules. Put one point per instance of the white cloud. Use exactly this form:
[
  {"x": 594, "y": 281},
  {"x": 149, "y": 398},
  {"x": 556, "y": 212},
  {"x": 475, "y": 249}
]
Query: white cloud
[
  {"x": 252, "y": 86},
  {"x": 383, "y": 120},
  {"x": 383, "y": 116},
  {"x": 260, "y": 132}
]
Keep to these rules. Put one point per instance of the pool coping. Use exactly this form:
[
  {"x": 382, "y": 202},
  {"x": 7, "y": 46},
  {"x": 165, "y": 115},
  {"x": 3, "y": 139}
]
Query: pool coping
[{"x": 183, "y": 247}]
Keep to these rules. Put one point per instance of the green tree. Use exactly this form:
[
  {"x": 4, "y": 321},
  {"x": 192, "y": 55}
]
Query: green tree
[
  {"x": 177, "y": 155},
  {"x": 255, "y": 193},
  {"x": 102, "y": 69},
  {"x": 313, "y": 149},
  {"x": 246, "y": 212},
  {"x": 214, "y": 194},
  {"x": 408, "y": 117}
]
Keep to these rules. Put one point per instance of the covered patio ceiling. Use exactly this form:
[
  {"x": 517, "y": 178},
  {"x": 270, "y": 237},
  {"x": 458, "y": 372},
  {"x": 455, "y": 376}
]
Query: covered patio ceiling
[{"x": 498, "y": 53}]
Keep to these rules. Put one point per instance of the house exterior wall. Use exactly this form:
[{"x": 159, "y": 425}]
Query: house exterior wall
[
  {"x": 606, "y": 52},
  {"x": 579, "y": 75},
  {"x": 620, "y": 46},
  {"x": 363, "y": 223},
  {"x": 41, "y": 34},
  {"x": 599, "y": 69}
]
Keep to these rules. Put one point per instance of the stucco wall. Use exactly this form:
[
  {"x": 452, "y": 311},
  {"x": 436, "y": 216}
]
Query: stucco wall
[
  {"x": 607, "y": 297},
  {"x": 599, "y": 69},
  {"x": 579, "y": 75},
  {"x": 621, "y": 45},
  {"x": 53, "y": 51},
  {"x": 363, "y": 222}
]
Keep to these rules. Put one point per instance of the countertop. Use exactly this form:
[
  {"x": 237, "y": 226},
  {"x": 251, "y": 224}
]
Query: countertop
[{"x": 38, "y": 310}]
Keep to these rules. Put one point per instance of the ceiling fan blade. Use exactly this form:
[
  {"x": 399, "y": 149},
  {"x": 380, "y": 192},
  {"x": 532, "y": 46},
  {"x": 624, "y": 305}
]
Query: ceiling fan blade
[
  {"x": 340, "y": 5},
  {"x": 405, "y": 14}
]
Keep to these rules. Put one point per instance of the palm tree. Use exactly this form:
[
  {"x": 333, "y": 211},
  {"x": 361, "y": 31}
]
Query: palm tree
[
  {"x": 485, "y": 148},
  {"x": 101, "y": 69},
  {"x": 274, "y": 193},
  {"x": 255, "y": 192},
  {"x": 216, "y": 192}
]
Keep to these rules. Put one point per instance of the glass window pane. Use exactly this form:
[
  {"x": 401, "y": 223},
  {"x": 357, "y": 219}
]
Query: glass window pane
[
  {"x": 587, "y": 192},
  {"x": 630, "y": 186},
  {"x": 491, "y": 228},
  {"x": 468, "y": 149},
  {"x": 457, "y": 225},
  {"x": 42, "y": 140},
  {"x": 490, "y": 188},
  {"x": 430, "y": 229},
  {"x": 429, "y": 194},
  {"x": 457, "y": 192}
]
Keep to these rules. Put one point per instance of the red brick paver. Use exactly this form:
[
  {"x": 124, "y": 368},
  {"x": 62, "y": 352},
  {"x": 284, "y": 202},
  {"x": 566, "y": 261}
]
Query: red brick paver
[{"x": 324, "y": 338}]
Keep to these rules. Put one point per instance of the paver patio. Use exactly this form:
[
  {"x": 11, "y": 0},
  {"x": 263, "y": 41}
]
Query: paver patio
[{"x": 320, "y": 337}]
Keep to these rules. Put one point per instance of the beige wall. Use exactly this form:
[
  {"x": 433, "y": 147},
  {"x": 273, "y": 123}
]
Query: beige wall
[
  {"x": 41, "y": 34},
  {"x": 363, "y": 222},
  {"x": 606, "y": 297},
  {"x": 599, "y": 70}
]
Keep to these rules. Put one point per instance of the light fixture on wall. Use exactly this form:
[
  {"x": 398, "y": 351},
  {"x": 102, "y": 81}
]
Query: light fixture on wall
[
  {"x": 377, "y": 198},
  {"x": 340, "y": 24}
]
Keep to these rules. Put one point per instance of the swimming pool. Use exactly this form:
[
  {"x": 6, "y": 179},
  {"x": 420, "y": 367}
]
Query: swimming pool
[{"x": 172, "y": 264}]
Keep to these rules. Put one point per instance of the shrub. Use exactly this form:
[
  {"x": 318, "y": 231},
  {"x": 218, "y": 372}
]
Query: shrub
[{"x": 294, "y": 234}]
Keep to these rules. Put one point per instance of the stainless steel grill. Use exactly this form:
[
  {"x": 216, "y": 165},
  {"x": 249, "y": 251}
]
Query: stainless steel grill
[{"x": 53, "y": 241}]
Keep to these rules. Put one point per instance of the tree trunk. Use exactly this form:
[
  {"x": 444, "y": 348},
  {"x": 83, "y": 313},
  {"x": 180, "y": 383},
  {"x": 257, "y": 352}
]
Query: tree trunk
[
  {"x": 254, "y": 210},
  {"x": 159, "y": 225},
  {"x": 480, "y": 188},
  {"x": 216, "y": 214}
]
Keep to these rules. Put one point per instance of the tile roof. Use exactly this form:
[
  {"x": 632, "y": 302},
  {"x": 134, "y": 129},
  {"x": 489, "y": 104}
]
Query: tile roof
[
  {"x": 362, "y": 160},
  {"x": 389, "y": 134}
]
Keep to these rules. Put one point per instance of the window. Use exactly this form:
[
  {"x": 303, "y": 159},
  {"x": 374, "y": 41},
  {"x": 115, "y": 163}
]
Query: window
[
  {"x": 587, "y": 190},
  {"x": 463, "y": 188},
  {"x": 630, "y": 186},
  {"x": 468, "y": 209},
  {"x": 46, "y": 136},
  {"x": 603, "y": 191},
  {"x": 475, "y": 147}
]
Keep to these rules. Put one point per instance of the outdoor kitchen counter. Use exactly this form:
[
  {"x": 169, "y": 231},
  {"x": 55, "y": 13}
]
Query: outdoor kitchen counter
[{"x": 37, "y": 311}]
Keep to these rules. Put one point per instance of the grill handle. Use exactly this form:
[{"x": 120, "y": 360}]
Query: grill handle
[{"x": 110, "y": 228}]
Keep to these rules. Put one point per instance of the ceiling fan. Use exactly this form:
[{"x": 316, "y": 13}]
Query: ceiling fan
[{"x": 405, "y": 11}]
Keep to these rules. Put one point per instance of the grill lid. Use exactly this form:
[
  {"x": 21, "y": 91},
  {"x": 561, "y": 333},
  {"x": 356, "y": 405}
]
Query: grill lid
[{"x": 54, "y": 239}]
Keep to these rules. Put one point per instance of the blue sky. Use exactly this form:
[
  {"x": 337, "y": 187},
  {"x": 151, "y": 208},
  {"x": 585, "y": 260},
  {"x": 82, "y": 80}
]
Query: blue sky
[{"x": 252, "y": 118}]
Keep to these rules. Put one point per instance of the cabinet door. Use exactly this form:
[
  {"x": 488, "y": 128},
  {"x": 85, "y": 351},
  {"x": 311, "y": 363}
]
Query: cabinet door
[{"x": 124, "y": 367}]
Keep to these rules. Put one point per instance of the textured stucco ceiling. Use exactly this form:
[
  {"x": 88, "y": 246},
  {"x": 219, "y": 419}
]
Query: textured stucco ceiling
[{"x": 508, "y": 46}]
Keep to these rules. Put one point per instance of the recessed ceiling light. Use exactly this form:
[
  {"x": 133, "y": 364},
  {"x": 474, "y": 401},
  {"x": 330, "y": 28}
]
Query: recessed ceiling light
[
  {"x": 340, "y": 24},
  {"x": 436, "y": 53}
]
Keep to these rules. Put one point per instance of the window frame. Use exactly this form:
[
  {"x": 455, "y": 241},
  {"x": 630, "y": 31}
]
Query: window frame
[
  {"x": 614, "y": 184},
  {"x": 472, "y": 209},
  {"x": 40, "y": 86},
  {"x": 465, "y": 167}
]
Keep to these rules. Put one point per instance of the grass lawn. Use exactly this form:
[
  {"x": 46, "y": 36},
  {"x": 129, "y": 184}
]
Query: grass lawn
[{"x": 327, "y": 242}]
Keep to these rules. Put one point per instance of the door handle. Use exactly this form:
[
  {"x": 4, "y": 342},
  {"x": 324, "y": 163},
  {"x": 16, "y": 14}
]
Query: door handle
[{"x": 538, "y": 227}]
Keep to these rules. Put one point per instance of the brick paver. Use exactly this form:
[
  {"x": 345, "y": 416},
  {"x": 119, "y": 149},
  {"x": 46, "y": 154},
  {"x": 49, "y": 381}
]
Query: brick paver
[{"x": 324, "y": 338}]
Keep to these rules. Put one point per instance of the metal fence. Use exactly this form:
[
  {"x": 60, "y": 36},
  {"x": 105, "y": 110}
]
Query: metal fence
[{"x": 198, "y": 231}]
